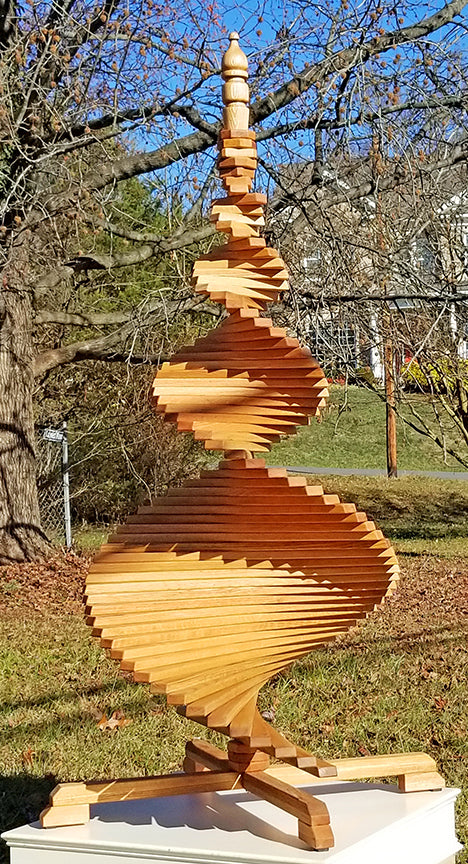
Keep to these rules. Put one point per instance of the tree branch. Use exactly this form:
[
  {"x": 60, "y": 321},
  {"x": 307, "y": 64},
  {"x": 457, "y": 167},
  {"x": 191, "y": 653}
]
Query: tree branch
[
  {"x": 142, "y": 163},
  {"x": 385, "y": 298},
  {"x": 317, "y": 122},
  {"x": 7, "y": 17},
  {"x": 78, "y": 319},
  {"x": 52, "y": 280},
  {"x": 123, "y": 169},
  {"x": 144, "y": 113},
  {"x": 163, "y": 244},
  {"x": 345, "y": 59},
  {"x": 103, "y": 261},
  {"x": 134, "y": 165},
  {"x": 324, "y": 198},
  {"x": 110, "y": 346},
  {"x": 160, "y": 246}
]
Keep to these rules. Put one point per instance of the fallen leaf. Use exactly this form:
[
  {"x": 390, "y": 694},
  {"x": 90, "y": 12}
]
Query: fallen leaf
[
  {"x": 440, "y": 703},
  {"x": 27, "y": 756},
  {"x": 111, "y": 724},
  {"x": 363, "y": 751},
  {"x": 269, "y": 715},
  {"x": 428, "y": 672}
]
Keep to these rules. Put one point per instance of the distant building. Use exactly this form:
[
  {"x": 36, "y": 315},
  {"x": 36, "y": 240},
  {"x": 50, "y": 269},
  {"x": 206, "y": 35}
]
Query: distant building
[{"x": 345, "y": 253}]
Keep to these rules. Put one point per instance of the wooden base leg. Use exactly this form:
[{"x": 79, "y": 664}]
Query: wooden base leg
[
  {"x": 312, "y": 814},
  {"x": 204, "y": 756},
  {"x": 416, "y": 772},
  {"x": 318, "y": 837},
  {"x": 55, "y": 817},
  {"x": 70, "y": 801},
  {"x": 190, "y": 766},
  {"x": 313, "y": 817},
  {"x": 428, "y": 781}
]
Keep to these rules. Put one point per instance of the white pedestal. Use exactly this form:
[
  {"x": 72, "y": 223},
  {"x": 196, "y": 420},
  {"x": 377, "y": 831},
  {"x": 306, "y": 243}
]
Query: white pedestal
[{"x": 372, "y": 824}]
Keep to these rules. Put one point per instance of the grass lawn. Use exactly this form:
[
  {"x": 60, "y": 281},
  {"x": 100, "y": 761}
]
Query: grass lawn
[
  {"x": 354, "y": 437},
  {"x": 397, "y": 682},
  {"x": 419, "y": 514}
]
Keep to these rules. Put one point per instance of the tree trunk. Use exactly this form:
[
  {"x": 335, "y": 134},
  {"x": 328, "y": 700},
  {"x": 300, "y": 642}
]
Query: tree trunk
[{"x": 21, "y": 536}]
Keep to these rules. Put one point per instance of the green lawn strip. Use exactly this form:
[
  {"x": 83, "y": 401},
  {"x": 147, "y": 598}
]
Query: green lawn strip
[
  {"x": 354, "y": 437},
  {"x": 419, "y": 514},
  {"x": 87, "y": 538}
]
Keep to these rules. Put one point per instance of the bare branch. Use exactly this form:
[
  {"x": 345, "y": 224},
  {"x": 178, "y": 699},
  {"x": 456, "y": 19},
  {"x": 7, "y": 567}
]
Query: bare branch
[
  {"x": 342, "y": 61},
  {"x": 101, "y": 261},
  {"x": 60, "y": 275},
  {"x": 111, "y": 346},
  {"x": 387, "y": 298},
  {"x": 316, "y": 121},
  {"x": 182, "y": 236},
  {"x": 326, "y": 197},
  {"x": 75, "y": 319}
]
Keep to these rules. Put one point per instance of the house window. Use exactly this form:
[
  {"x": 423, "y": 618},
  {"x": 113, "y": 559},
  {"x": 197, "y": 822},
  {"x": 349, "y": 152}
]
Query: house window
[
  {"x": 312, "y": 261},
  {"x": 334, "y": 346},
  {"x": 423, "y": 256}
]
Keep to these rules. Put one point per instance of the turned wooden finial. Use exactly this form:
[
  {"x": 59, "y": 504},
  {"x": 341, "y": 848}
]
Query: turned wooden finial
[{"x": 236, "y": 90}]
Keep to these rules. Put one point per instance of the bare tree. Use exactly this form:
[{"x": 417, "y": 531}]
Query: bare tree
[
  {"x": 94, "y": 94},
  {"x": 382, "y": 283}
]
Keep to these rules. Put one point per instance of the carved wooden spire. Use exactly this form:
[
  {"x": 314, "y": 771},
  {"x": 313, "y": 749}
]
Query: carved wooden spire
[
  {"x": 238, "y": 151},
  {"x": 236, "y": 90}
]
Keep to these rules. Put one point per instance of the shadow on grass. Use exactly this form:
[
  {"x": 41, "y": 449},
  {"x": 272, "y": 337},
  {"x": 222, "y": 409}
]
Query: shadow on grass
[
  {"x": 417, "y": 513},
  {"x": 22, "y": 797},
  {"x": 376, "y": 645},
  {"x": 62, "y": 692}
]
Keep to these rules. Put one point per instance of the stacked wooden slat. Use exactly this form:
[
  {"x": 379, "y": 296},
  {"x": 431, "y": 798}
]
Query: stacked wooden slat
[
  {"x": 237, "y": 159},
  {"x": 228, "y": 579},
  {"x": 242, "y": 274},
  {"x": 245, "y": 272},
  {"x": 241, "y": 387}
]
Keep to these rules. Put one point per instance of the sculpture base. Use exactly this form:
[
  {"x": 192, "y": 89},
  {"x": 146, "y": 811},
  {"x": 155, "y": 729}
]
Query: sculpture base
[
  {"x": 209, "y": 769},
  {"x": 372, "y": 822}
]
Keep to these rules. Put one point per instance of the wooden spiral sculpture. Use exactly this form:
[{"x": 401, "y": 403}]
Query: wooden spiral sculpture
[{"x": 225, "y": 581}]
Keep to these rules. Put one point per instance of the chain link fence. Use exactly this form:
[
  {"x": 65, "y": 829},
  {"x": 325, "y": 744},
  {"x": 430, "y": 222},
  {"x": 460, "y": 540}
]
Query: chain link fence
[{"x": 53, "y": 483}]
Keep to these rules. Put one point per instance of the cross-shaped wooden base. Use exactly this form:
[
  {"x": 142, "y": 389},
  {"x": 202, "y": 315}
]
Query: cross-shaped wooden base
[{"x": 209, "y": 769}]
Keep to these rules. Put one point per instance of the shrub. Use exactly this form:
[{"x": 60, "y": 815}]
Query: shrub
[{"x": 439, "y": 377}]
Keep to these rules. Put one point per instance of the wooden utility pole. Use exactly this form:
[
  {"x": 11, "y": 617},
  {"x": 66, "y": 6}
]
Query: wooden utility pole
[
  {"x": 388, "y": 352},
  {"x": 390, "y": 404}
]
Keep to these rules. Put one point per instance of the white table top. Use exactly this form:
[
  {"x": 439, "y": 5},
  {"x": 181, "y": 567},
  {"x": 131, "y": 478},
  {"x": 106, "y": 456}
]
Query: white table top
[{"x": 237, "y": 826}]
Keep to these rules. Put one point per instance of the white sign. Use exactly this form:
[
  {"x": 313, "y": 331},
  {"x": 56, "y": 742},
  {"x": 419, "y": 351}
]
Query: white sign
[{"x": 52, "y": 434}]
